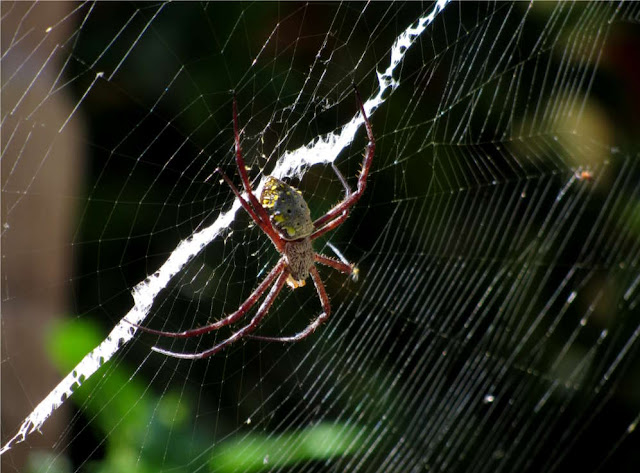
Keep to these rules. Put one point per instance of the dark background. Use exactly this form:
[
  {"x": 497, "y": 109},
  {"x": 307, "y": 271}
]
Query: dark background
[{"x": 456, "y": 351}]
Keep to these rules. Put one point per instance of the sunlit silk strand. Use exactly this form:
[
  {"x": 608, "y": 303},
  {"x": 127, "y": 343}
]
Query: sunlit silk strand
[{"x": 323, "y": 150}]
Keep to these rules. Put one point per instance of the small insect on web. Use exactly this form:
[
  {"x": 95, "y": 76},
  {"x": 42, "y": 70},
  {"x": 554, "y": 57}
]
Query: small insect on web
[{"x": 283, "y": 214}]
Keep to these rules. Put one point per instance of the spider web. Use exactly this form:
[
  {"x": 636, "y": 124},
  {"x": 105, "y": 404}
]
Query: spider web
[{"x": 495, "y": 324}]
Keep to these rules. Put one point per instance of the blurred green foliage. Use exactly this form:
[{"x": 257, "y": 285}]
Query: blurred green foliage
[{"x": 145, "y": 432}]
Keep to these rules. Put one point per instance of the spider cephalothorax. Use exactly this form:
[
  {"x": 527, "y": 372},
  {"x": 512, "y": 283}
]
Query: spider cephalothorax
[{"x": 284, "y": 216}]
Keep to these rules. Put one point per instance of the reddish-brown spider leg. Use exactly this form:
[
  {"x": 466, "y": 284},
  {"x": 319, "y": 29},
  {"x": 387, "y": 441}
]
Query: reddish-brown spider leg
[
  {"x": 237, "y": 193},
  {"x": 343, "y": 181},
  {"x": 330, "y": 226},
  {"x": 244, "y": 307},
  {"x": 362, "y": 179},
  {"x": 326, "y": 307},
  {"x": 244, "y": 331},
  {"x": 267, "y": 228},
  {"x": 264, "y": 217},
  {"x": 339, "y": 265}
]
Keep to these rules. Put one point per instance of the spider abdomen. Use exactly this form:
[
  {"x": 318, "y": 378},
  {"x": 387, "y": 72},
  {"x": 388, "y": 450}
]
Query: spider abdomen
[
  {"x": 287, "y": 208},
  {"x": 300, "y": 258}
]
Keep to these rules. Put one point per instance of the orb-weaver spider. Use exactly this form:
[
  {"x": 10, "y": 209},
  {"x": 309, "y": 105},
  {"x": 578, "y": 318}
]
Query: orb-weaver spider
[{"x": 284, "y": 216}]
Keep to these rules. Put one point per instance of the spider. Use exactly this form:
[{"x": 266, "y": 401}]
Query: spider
[{"x": 283, "y": 214}]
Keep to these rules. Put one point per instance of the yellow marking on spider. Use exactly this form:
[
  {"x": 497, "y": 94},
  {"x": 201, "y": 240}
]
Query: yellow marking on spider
[
  {"x": 298, "y": 257},
  {"x": 293, "y": 284}
]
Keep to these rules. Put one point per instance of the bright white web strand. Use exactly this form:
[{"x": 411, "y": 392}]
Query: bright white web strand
[
  {"x": 325, "y": 149},
  {"x": 321, "y": 151}
]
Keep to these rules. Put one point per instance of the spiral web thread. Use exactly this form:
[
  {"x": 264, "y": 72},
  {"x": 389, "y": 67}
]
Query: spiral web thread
[{"x": 495, "y": 323}]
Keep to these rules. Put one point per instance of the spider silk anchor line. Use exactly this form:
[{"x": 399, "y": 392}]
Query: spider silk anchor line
[{"x": 323, "y": 150}]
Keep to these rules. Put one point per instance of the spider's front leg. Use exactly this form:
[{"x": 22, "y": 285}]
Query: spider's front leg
[
  {"x": 243, "y": 332},
  {"x": 326, "y": 308},
  {"x": 238, "y": 314}
]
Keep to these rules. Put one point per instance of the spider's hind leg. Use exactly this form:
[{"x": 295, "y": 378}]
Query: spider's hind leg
[{"x": 343, "y": 181}]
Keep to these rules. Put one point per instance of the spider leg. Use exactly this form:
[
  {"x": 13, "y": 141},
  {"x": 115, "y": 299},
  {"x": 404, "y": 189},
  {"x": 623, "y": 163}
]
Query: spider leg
[
  {"x": 244, "y": 331},
  {"x": 362, "y": 179},
  {"x": 333, "y": 224},
  {"x": 242, "y": 169},
  {"x": 244, "y": 307},
  {"x": 339, "y": 265},
  {"x": 330, "y": 226},
  {"x": 355, "y": 271},
  {"x": 266, "y": 227},
  {"x": 237, "y": 193},
  {"x": 326, "y": 307},
  {"x": 343, "y": 181}
]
